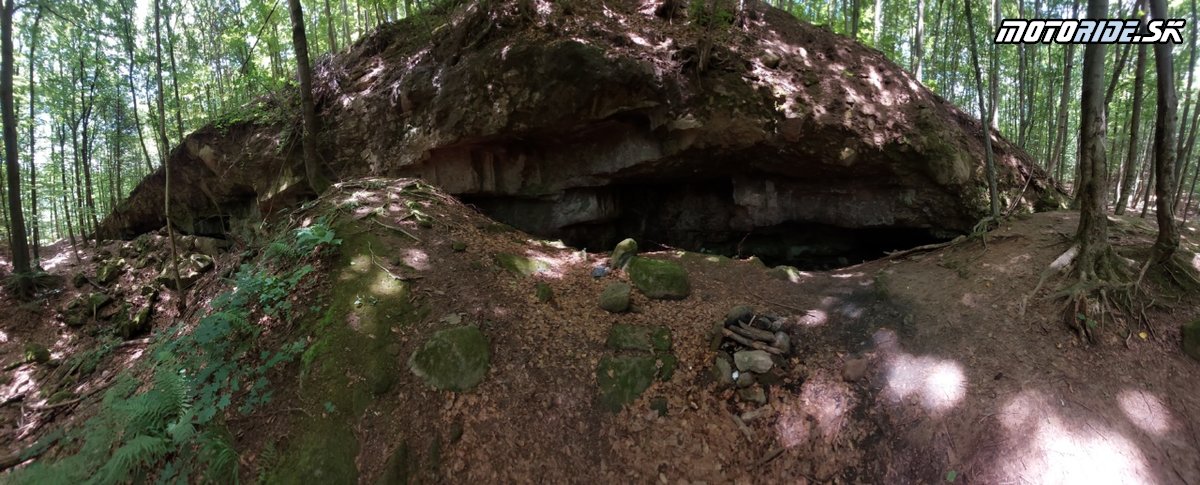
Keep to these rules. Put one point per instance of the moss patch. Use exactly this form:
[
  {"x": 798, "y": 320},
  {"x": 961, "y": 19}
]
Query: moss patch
[
  {"x": 347, "y": 364},
  {"x": 637, "y": 337},
  {"x": 663, "y": 280},
  {"x": 1191, "y": 339},
  {"x": 520, "y": 265},
  {"x": 623, "y": 378},
  {"x": 456, "y": 359}
]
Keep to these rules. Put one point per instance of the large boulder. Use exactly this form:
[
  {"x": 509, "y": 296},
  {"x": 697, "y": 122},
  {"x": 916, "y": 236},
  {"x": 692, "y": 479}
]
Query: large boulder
[
  {"x": 660, "y": 280},
  {"x": 580, "y": 124}
]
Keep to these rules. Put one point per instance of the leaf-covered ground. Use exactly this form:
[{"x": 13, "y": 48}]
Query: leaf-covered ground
[{"x": 914, "y": 369}]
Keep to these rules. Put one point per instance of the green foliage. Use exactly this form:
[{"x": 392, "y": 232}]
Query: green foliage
[
  {"x": 719, "y": 13},
  {"x": 304, "y": 241},
  {"x": 170, "y": 430}
]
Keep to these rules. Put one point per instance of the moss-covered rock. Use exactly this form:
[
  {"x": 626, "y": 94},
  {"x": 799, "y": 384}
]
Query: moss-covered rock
[
  {"x": 520, "y": 265},
  {"x": 36, "y": 353},
  {"x": 785, "y": 273},
  {"x": 400, "y": 467},
  {"x": 623, "y": 254},
  {"x": 639, "y": 337},
  {"x": 543, "y": 291},
  {"x": 615, "y": 297},
  {"x": 109, "y": 271},
  {"x": 454, "y": 359},
  {"x": 661, "y": 280},
  {"x": 1191, "y": 339},
  {"x": 622, "y": 379}
]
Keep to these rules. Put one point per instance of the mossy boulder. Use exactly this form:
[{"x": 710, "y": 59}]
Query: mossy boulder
[
  {"x": 785, "y": 273},
  {"x": 139, "y": 324},
  {"x": 615, "y": 297},
  {"x": 624, "y": 378},
  {"x": 1191, "y": 339},
  {"x": 639, "y": 337},
  {"x": 623, "y": 254},
  {"x": 520, "y": 265},
  {"x": 454, "y": 359},
  {"x": 544, "y": 292},
  {"x": 660, "y": 280},
  {"x": 190, "y": 271}
]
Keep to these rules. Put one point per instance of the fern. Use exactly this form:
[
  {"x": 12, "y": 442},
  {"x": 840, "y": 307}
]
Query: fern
[{"x": 129, "y": 458}]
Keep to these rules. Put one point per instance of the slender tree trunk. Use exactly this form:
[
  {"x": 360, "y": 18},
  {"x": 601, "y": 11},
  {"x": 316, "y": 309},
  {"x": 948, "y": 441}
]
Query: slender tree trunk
[
  {"x": 174, "y": 78},
  {"x": 312, "y": 168},
  {"x": 1061, "y": 128},
  {"x": 1164, "y": 144},
  {"x": 918, "y": 48},
  {"x": 1092, "y": 235},
  {"x": 1191, "y": 193},
  {"x": 1134, "y": 123},
  {"x": 162, "y": 136},
  {"x": 62, "y": 170},
  {"x": 20, "y": 245},
  {"x": 985, "y": 113},
  {"x": 329, "y": 28},
  {"x": 877, "y": 27},
  {"x": 35, "y": 218}
]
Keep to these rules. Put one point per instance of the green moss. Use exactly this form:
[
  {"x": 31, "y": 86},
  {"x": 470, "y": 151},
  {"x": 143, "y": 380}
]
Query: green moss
[
  {"x": 623, "y": 253},
  {"x": 658, "y": 279},
  {"x": 623, "y": 378},
  {"x": 347, "y": 365},
  {"x": 615, "y": 297},
  {"x": 544, "y": 292},
  {"x": 1191, "y": 339},
  {"x": 519, "y": 265},
  {"x": 456, "y": 359},
  {"x": 639, "y": 337}
]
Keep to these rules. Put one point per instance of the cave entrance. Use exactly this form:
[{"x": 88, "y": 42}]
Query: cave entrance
[{"x": 699, "y": 216}]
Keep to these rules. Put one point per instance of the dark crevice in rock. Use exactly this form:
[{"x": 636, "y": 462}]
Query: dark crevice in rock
[{"x": 695, "y": 215}]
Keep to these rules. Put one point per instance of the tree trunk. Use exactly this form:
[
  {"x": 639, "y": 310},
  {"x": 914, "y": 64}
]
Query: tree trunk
[
  {"x": 918, "y": 49},
  {"x": 62, "y": 170},
  {"x": 877, "y": 27},
  {"x": 329, "y": 27},
  {"x": 1134, "y": 123},
  {"x": 1092, "y": 235},
  {"x": 985, "y": 113},
  {"x": 33, "y": 199},
  {"x": 166, "y": 160},
  {"x": 20, "y": 245},
  {"x": 1164, "y": 144},
  {"x": 1056, "y": 158},
  {"x": 312, "y": 169},
  {"x": 174, "y": 80}
]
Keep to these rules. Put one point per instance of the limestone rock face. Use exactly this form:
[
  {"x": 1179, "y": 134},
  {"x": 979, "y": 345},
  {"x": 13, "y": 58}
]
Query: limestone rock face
[{"x": 578, "y": 124}]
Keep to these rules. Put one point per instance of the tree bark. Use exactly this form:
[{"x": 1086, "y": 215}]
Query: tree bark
[
  {"x": 877, "y": 27},
  {"x": 985, "y": 114},
  {"x": 1164, "y": 144},
  {"x": 1134, "y": 124},
  {"x": 33, "y": 199},
  {"x": 1056, "y": 158},
  {"x": 312, "y": 169},
  {"x": 20, "y": 245},
  {"x": 1092, "y": 235},
  {"x": 166, "y": 160}
]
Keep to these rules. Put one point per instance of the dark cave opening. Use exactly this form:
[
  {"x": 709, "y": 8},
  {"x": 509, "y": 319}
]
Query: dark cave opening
[{"x": 692, "y": 215}]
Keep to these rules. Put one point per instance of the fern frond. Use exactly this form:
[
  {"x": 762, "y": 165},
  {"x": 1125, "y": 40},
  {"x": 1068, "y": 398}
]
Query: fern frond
[{"x": 128, "y": 459}]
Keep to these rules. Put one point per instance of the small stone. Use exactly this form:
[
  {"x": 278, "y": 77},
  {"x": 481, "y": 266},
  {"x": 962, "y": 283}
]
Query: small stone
[
  {"x": 854, "y": 370},
  {"x": 1191, "y": 339},
  {"x": 754, "y": 395},
  {"x": 771, "y": 60},
  {"x": 458, "y": 246},
  {"x": 745, "y": 379},
  {"x": 544, "y": 292},
  {"x": 599, "y": 271},
  {"x": 623, "y": 254},
  {"x": 716, "y": 336},
  {"x": 753, "y": 361},
  {"x": 659, "y": 404},
  {"x": 79, "y": 280},
  {"x": 782, "y": 342},
  {"x": 615, "y": 297},
  {"x": 739, "y": 314},
  {"x": 722, "y": 372}
]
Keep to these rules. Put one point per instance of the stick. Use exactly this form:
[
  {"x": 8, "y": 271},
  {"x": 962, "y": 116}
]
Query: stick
[
  {"x": 399, "y": 230},
  {"x": 771, "y": 455},
  {"x": 751, "y": 343},
  {"x": 754, "y": 333}
]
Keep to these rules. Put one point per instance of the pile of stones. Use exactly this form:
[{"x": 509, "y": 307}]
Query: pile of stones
[{"x": 751, "y": 350}]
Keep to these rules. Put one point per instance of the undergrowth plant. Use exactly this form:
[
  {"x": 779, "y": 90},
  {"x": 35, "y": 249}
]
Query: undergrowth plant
[{"x": 171, "y": 430}]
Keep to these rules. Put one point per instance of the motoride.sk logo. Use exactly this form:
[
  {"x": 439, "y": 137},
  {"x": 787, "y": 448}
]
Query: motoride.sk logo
[{"x": 1089, "y": 31}]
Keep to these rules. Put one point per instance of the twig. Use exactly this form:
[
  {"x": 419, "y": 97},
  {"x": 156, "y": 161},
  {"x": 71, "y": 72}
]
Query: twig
[
  {"x": 754, "y": 333},
  {"x": 399, "y": 230},
  {"x": 771, "y": 455},
  {"x": 789, "y": 307},
  {"x": 385, "y": 270},
  {"x": 741, "y": 426},
  {"x": 751, "y": 343}
]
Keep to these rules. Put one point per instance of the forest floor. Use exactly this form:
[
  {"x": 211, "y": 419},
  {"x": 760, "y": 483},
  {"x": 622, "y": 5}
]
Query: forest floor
[{"x": 914, "y": 369}]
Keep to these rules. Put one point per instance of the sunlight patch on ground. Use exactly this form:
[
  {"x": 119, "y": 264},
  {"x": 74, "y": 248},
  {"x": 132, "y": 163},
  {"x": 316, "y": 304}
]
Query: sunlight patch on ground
[
  {"x": 813, "y": 318},
  {"x": 1057, "y": 450},
  {"x": 3, "y": 337},
  {"x": 556, "y": 265},
  {"x": 937, "y": 384},
  {"x": 821, "y": 411},
  {"x": 417, "y": 259},
  {"x": 53, "y": 263},
  {"x": 1145, "y": 411}
]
